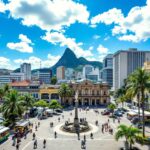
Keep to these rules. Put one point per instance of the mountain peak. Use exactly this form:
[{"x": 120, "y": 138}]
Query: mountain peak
[
  {"x": 69, "y": 60},
  {"x": 69, "y": 53}
]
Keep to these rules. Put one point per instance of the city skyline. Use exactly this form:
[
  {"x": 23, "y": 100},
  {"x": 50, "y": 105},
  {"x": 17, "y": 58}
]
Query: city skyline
[{"x": 92, "y": 30}]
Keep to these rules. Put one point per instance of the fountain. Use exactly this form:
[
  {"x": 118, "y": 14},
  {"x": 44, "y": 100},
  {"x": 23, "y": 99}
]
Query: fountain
[{"x": 76, "y": 126}]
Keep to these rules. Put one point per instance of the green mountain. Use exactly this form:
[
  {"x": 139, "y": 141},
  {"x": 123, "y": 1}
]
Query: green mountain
[{"x": 69, "y": 60}]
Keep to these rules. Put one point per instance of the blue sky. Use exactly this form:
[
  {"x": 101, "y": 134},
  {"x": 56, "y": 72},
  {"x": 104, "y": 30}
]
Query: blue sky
[{"x": 39, "y": 31}]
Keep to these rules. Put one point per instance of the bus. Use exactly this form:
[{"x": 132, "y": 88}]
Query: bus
[{"x": 4, "y": 133}]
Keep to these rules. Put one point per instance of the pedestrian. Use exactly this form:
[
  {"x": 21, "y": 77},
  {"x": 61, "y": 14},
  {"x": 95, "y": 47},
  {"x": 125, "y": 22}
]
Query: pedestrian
[
  {"x": 34, "y": 136},
  {"x": 119, "y": 120},
  {"x": 17, "y": 146},
  {"x": 36, "y": 128},
  {"x": 91, "y": 135},
  {"x": 44, "y": 143},
  {"x": 108, "y": 120},
  {"x": 84, "y": 138},
  {"x": 35, "y": 144},
  {"x": 59, "y": 119},
  {"x": 55, "y": 133}
]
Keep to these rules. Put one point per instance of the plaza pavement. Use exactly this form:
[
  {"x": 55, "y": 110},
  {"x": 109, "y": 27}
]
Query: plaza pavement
[{"x": 70, "y": 142}]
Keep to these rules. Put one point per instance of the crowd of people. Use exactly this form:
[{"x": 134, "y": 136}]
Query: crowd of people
[{"x": 105, "y": 128}]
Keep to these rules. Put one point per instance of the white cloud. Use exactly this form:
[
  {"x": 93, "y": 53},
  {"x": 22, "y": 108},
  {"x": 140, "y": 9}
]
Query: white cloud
[
  {"x": 103, "y": 51},
  {"x": 23, "y": 46},
  {"x": 134, "y": 27},
  {"x": 90, "y": 48},
  {"x": 112, "y": 16},
  {"x": 48, "y": 14},
  {"x": 5, "y": 63},
  {"x": 96, "y": 37},
  {"x": 2, "y": 6},
  {"x": 59, "y": 38},
  {"x": 36, "y": 61}
]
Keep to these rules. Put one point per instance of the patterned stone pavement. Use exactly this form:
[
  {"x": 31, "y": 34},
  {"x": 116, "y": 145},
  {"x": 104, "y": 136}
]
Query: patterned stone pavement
[{"x": 70, "y": 142}]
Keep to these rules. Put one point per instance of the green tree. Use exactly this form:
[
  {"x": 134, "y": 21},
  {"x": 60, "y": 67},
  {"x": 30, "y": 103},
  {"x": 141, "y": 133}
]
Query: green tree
[
  {"x": 53, "y": 80},
  {"x": 65, "y": 91},
  {"x": 28, "y": 101},
  {"x": 138, "y": 83},
  {"x": 1, "y": 93},
  {"x": 41, "y": 103},
  {"x": 112, "y": 107},
  {"x": 6, "y": 88},
  {"x": 54, "y": 104},
  {"x": 121, "y": 100},
  {"x": 130, "y": 134},
  {"x": 12, "y": 107}
]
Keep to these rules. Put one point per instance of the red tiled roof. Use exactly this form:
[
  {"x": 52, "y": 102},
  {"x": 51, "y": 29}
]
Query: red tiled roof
[{"x": 20, "y": 83}]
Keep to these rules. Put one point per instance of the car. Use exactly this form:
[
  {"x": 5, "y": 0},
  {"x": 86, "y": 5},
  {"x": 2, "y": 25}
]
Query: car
[
  {"x": 58, "y": 110},
  {"x": 135, "y": 120},
  {"x": 138, "y": 125},
  {"x": 118, "y": 114},
  {"x": 105, "y": 112}
]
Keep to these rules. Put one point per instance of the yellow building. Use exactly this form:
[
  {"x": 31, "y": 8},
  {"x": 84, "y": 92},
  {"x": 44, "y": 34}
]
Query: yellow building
[
  {"x": 49, "y": 92},
  {"x": 147, "y": 66}
]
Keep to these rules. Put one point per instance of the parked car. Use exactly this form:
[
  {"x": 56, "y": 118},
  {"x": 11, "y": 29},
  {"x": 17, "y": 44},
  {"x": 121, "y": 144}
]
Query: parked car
[
  {"x": 58, "y": 110},
  {"x": 138, "y": 125},
  {"x": 118, "y": 114},
  {"x": 105, "y": 112}
]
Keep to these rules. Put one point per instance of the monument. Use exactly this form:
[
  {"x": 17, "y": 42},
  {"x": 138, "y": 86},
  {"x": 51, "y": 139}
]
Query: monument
[{"x": 76, "y": 126}]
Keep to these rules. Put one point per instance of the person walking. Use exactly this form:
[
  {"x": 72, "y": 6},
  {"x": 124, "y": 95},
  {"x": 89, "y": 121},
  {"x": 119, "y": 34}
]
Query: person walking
[
  {"x": 44, "y": 143},
  {"x": 34, "y": 136},
  {"x": 91, "y": 135},
  {"x": 36, "y": 128},
  {"x": 84, "y": 138},
  {"x": 55, "y": 133},
  {"x": 17, "y": 146},
  {"x": 35, "y": 144}
]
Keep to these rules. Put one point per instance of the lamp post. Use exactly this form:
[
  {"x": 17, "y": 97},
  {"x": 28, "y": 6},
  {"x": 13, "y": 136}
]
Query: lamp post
[{"x": 76, "y": 119}]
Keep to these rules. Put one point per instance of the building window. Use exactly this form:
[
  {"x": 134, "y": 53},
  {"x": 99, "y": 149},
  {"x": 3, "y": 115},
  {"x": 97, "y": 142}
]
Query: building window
[
  {"x": 97, "y": 92},
  {"x": 92, "y": 92},
  {"x": 104, "y": 92}
]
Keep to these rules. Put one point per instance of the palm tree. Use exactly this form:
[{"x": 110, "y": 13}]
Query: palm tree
[
  {"x": 12, "y": 107},
  {"x": 130, "y": 133},
  {"x": 6, "y": 88},
  {"x": 1, "y": 93},
  {"x": 112, "y": 107},
  {"x": 28, "y": 101},
  {"x": 121, "y": 100},
  {"x": 65, "y": 91},
  {"x": 138, "y": 83}
]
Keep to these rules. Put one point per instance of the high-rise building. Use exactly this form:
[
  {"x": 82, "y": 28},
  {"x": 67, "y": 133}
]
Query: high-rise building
[
  {"x": 125, "y": 62},
  {"x": 91, "y": 73},
  {"x": 69, "y": 74},
  {"x": 86, "y": 70},
  {"x": 43, "y": 75},
  {"x": 107, "y": 71},
  {"x": 26, "y": 69},
  {"x": 60, "y": 73}
]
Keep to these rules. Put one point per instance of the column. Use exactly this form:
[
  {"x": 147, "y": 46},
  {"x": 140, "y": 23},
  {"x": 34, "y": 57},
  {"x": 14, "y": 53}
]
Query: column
[
  {"x": 82, "y": 101},
  {"x": 95, "y": 102},
  {"x": 49, "y": 97}
]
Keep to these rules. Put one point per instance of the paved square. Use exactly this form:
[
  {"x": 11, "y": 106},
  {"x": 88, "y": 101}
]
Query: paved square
[{"x": 101, "y": 141}]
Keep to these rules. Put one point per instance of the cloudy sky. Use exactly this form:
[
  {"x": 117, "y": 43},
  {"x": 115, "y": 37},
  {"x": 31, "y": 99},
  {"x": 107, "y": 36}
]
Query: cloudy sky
[{"x": 39, "y": 30}]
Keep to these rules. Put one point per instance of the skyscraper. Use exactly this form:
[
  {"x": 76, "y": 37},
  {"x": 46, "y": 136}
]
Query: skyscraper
[
  {"x": 107, "y": 71},
  {"x": 26, "y": 69},
  {"x": 125, "y": 62},
  {"x": 60, "y": 73}
]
